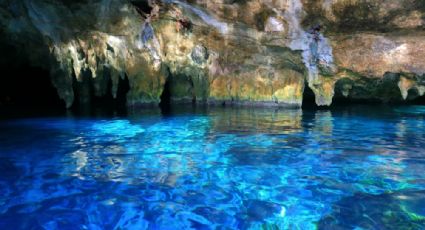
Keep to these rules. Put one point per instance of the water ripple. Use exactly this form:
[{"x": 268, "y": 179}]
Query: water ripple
[{"x": 226, "y": 169}]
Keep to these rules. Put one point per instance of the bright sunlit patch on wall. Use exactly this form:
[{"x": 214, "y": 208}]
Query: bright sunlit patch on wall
[{"x": 114, "y": 40}]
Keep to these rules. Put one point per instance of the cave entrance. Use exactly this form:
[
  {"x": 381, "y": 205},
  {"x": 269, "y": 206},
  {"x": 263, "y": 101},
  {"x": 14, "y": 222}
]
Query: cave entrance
[
  {"x": 179, "y": 90},
  {"x": 165, "y": 103},
  {"x": 25, "y": 90},
  {"x": 87, "y": 103},
  {"x": 339, "y": 99},
  {"x": 309, "y": 101},
  {"x": 26, "y": 86},
  {"x": 414, "y": 97},
  {"x": 123, "y": 88},
  {"x": 108, "y": 102}
]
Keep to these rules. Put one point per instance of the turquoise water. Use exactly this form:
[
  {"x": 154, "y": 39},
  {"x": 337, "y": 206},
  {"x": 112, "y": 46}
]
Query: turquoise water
[{"x": 361, "y": 167}]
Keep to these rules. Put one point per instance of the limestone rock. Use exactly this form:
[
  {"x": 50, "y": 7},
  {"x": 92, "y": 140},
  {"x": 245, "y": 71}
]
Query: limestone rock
[
  {"x": 199, "y": 54},
  {"x": 241, "y": 52}
]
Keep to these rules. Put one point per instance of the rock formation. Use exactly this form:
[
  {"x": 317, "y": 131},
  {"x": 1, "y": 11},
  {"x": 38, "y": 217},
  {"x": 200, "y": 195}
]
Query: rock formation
[{"x": 256, "y": 52}]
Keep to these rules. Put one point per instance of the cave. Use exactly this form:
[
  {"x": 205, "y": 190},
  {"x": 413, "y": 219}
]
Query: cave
[
  {"x": 341, "y": 100},
  {"x": 123, "y": 88},
  {"x": 25, "y": 86},
  {"x": 178, "y": 91},
  {"x": 309, "y": 101},
  {"x": 190, "y": 114},
  {"x": 414, "y": 97},
  {"x": 107, "y": 104},
  {"x": 165, "y": 103},
  {"x": 86, "y": 102},
  {"x": 30, "y": 87}
]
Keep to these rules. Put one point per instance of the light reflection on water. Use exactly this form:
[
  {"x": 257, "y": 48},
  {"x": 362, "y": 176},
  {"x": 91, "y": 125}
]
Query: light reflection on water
[{"x": 221, "y": 168}]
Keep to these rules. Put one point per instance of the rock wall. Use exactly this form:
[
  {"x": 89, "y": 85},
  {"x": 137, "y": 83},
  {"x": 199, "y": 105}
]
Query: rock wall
[{"x": 256, "y": 52}]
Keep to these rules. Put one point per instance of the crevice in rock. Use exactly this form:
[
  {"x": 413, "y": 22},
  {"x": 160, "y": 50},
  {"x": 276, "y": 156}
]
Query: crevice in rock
[
  {"x": 309, "y": 98},
  {"x": 123, "y": 88},
  {"x": 82, "y": 89},
  {"x": 192, "y": 85},
  {"x": 142, "y": 7},
  {"x": 165, "y": 103}
]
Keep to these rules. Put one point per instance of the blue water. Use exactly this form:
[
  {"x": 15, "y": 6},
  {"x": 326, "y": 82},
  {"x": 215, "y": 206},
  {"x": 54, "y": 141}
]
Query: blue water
[{"x": 361, "y": 167}]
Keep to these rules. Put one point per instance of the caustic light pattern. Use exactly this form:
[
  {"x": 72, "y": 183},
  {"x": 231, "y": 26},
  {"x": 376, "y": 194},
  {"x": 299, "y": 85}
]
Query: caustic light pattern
[{"x": 360, "y": 168}]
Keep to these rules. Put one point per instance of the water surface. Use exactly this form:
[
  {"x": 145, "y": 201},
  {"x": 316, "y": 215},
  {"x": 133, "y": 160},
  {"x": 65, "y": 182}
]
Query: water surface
[{"x": 353, "y": 168}]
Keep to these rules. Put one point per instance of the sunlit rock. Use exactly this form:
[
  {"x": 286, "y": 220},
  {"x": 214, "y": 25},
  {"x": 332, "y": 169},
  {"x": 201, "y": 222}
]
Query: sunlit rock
[
  {"x": 232, "y": 52},
  {"x": 274, "y": 25},
  {"x": 199, "y": 54}
]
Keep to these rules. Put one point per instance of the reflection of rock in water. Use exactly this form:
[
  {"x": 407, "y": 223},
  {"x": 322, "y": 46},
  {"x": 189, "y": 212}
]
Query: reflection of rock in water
[
  {"x": 399, "y": 210},
  {"x": 248, "y": 120},
  {"x": 411, "y": 110}
]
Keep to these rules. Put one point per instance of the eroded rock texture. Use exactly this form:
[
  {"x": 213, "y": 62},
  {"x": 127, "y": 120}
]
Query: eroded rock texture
[{"x": 224, "y": 51}]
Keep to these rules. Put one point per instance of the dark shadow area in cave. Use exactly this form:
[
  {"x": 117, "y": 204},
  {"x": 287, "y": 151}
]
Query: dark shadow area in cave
[
  {"x": 344, "y": 101},
  {"x": 309, "y": 101},
  {"x": 25, "y": 90},
  {"x": 178, "y": 91},
  {"x": 83, "y": 92},
  {"x": 165, "y": 103},
  {"x": 110, "y": 105},
  {"x": 86, "y": 103},
  {"x": 384, "y": 92},
  {"x": 142, "y": 6},
  {"x": 414, "y": 97},
  {"x": 339, "y": 100},
  {"x": 123, "y": 88},
  {"x": 418, "y": 101},
  {"x": 25, "y": 86}
]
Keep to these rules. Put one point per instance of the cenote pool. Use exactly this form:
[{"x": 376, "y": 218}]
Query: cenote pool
[{"x": 361, "y": 167}]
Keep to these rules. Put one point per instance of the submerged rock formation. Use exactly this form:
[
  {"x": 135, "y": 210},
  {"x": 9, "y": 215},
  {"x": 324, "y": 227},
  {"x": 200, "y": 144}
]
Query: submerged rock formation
[
  {"x": 223, "y": 51},
  {"x": 397, "y": 210}
]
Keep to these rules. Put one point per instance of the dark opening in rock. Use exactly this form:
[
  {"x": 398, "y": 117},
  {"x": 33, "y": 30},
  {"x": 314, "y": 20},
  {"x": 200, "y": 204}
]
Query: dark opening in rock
[
  {"x": 123, "y": 88},
  {"x": 107, "y": 100},
  {"x": 309, "y": 100},
  {"x": 24, "y": 85},
  {"x": 94, "y": 96},
  {"x": 83, "y": 92},
  {"x": 415, "y": 98},
  {"x": 185, "y": 25},
  {"x": 166, "y": 97},
  {"x": 344, "y": 91},
  {"x": 143, "y": 7}
]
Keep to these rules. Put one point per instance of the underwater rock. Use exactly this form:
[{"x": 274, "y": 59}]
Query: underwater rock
[
  {"x": 235, "y": 52},
  {"x": 259, "y": 210},
  {"x": 398, "y": 210}
]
